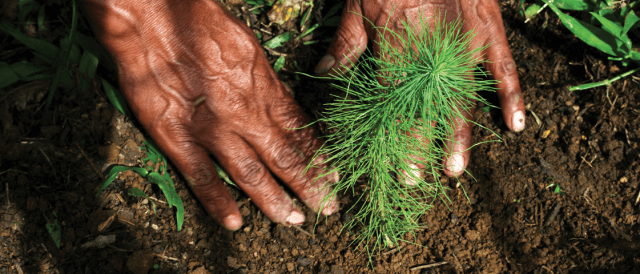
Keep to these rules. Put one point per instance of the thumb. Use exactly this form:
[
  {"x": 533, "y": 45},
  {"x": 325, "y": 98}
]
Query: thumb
[{"x": 348, "y": 43}]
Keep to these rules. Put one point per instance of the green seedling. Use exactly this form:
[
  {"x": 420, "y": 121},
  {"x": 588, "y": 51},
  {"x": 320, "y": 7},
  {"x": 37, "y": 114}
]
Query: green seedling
[
  {"x": 54, "y": 229},
  {"x": 136, "y": 192},
  {"x": 159, "y": 177},
  {"x": 555, "y": 187},
  {"x": 397, "y": 112},
  {"x": 330, "y": 19},
  {"x": 257, "y": 6},
  {"x": 608, "y": 30}
]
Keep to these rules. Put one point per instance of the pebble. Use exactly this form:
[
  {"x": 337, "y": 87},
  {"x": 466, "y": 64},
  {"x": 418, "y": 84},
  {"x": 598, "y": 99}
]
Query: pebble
[
  {"x": 304, "y": 261},
  {"x": 454, "y": 218},
  {"x": 336, "y": 269}
]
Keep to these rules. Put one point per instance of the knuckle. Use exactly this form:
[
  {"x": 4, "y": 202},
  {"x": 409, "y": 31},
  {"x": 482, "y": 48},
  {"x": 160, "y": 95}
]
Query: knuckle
[
  {"x": 252, "y": 172},
  {"x": 288, "y": 158}
]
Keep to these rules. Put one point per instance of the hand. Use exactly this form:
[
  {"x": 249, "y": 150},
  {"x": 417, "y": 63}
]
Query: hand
[
  {"x": 481, "y": 16},
  {"x": 198, "y": 81}
]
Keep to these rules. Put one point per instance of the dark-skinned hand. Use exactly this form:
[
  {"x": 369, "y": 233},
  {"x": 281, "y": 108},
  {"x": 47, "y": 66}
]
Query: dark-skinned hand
[
  {"x": 481, "y": 16},
  {"x": 199, "y": 83}
]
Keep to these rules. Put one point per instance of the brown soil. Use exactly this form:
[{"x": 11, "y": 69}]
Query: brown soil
[{"x": 585, "y": 141}]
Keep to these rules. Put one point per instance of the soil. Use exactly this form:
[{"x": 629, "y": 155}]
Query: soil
[{"x": 584, "y": 142}]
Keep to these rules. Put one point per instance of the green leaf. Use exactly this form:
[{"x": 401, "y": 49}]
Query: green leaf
[
  {"x": 332, "y": 22},
  {"x": 532, "y": 10},
  {"x": 20, "y": 71},
  {"x": 136, "y": 192},
  {"x": 574, "y": 4},
  {"x": 608, "y": 25},
  {"x": 173, "y": 199},
  {"x": 629, "y": 22},
  {"x": 87, "y": 69},
  {"x": 24, "y": 8},
  {"x": 55, "y": 230},
  {"x": 65, "y": 54},
  {"x": 277, "y": 66},
  {"x": 223, "y": 175},
  {"x": 115, "y": 97},
  {"x": 41, "y": 18},
  {"x": 332, "y": 12},
  {"x": 9, "y": 77},
  {"x": 278, "y": 40},
  {"x": 591, "y": 35},
  {"x": 114, "y": 172},
  {"x": 89, "y": 44},
  {"x": 43, "y": 47}
]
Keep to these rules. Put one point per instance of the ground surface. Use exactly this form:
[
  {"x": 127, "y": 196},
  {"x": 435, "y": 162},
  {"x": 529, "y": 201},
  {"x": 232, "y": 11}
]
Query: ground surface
[{"x": 586, "y": 142}]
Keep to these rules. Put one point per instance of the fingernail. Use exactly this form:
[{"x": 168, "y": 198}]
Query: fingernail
[
  {"x": 455, "y": 164},
  {"x": 295, "y": 218},
  {"x": 325, "y": 64},
  {"x": 330, "y": 206},
  {"x": 415, "y": 176},
  {"x": 232, "y": 222},
  {"x": 518, "y": 121}
]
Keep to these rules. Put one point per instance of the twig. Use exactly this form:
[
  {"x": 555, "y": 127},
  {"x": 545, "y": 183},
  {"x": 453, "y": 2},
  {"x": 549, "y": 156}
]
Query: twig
[
  {"x": 393, "y": 250},
  {"x": 547, "y": 269},
  {"x": 427, "y": 266},
  {"x": 119, "y": 249},
  {"x": 303, "y": 231},
  {"x": 553, "y": 214},
  {"x": 276, "y": 52},
  {"x": 45, "y": 249},
  {"x": 90, "y": 162},
  {"x": 166, "y": 258},
  {"x": 156, "y": 200},
  {"x": 18, "y": 268},
  {"x": 47, "y": 157}
]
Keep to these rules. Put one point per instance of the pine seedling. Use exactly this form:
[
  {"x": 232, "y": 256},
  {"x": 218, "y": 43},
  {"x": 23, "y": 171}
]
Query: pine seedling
[{"x": 395, "y": 115}]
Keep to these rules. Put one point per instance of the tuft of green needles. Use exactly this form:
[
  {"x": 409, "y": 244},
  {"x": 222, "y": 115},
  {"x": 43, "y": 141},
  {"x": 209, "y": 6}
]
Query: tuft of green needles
[{"x": 396, "y": 115}]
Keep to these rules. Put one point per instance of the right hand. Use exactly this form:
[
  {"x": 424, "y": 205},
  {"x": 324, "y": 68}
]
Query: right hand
[{"x": 480, "y": 16}]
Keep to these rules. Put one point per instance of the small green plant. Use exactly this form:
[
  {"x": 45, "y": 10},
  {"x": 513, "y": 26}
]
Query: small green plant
[
  {"x": 330, "y": 19},
  {"x": 159, "y": 176},
  {"x": 555, "y": 187},
  {"x": 136, "y": 192},
  {"x": 395, "y": 115},
  {"x": 610, "y": 24}
]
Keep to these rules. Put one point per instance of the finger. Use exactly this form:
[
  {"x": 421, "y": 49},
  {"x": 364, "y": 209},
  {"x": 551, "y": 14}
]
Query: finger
[
  {"x": 197, "y": 168},
  {"x": 413, "y": 172},
  {"x": 501, "y": 64},
  {"x": 245, "y": 168},
  {"x": 457, "y": 147},
  {"x": 348, "y": 43},
  {"x": 288, "y": 150}
]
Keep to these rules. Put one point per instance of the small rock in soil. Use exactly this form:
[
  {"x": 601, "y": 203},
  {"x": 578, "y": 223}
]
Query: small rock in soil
[
  {"x": 140, "y": 262},
  {"x": 336, "y": 269},
  {"x": 454, "y": 218},
  {"x": 200, "y": 270},
  {"x": 100, "y": 241},
  {"x": 291, "y": 267},
  {"x": 202, "y": 243},
  {"x": 304, "y": 261},
  {"x": 233, "y": 262}
]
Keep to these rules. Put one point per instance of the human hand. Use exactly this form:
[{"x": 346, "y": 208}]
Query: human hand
[
  {"x": 481, "y": 16},
  {"x": 199, "y": 83}
]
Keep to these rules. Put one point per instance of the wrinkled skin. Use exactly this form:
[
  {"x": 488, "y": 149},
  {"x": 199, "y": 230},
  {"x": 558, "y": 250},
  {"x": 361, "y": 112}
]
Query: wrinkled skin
[
  {"x": 481, "y": 16},
  {"x": 198, "y": 81}
]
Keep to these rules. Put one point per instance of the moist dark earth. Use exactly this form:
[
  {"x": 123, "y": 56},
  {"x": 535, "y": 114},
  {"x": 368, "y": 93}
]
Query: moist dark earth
[{"x": 585, "y": 142}]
